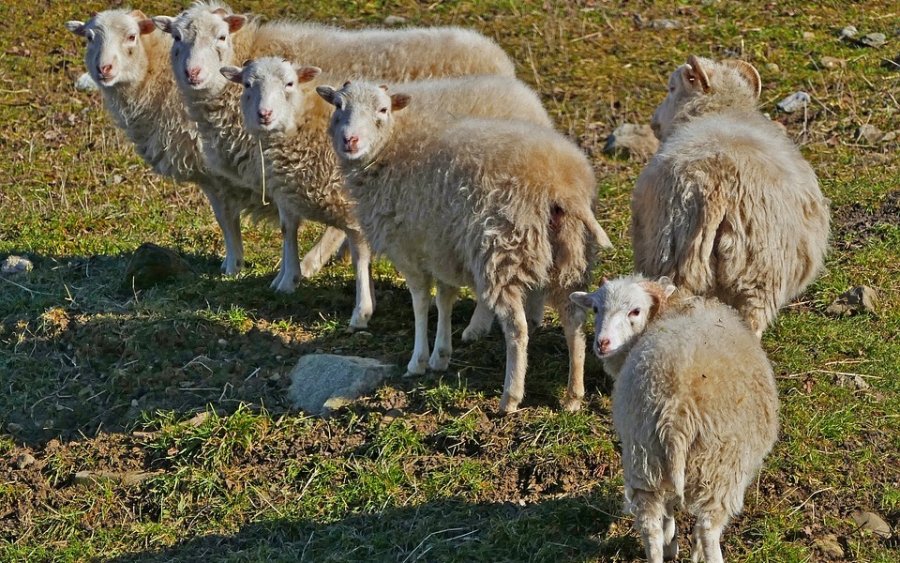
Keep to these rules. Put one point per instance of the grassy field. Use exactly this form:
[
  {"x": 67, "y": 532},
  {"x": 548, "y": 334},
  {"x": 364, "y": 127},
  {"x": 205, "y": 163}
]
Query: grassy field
[{"x": 187, "y": 381}]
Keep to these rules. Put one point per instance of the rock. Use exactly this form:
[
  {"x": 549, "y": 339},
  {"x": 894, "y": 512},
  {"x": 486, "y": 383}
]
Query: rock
[
  {"x": 871, "y": 521},
  {"x": 321, "y": 383},
  {"x": 85, "y": 83},
  {"x": 831, "y": 62},
  {"x": 632, "y": 140},
  {"x": 13, "y": 428},
  {"x": 860, "y": 383},
  {"x": 16, "y": 265},
  {"x": 772, "y": 67},
  {"x": 394, "y": 20},
  {"x": 24, "y": 461},
  {"x": 869, "y": 133},
  {"x": 889, "y": 136},
  {"x": 860, "y": 299},
  {"x": 828, "y": 544},
  {"x": 849, "y": 32},
  {"x": 664, "y": 24},
  {"x": 151, "y": 265},
  {"x": 873, "y": 40},
  {"x": 809, "y": 35},
  {"x": 794, "y": 102}
]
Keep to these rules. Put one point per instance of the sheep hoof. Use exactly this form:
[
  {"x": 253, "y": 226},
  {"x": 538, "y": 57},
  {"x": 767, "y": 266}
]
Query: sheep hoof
[
  {"x": 670, "y": 551},
  {"x": 439, "y": 362},
  {"x": 231, "y": 268},
  {"x": 473, "y": 333},
  {"x": 415, "y": 368},
  {"x": 571, "y": 404},
  {"x": 285, "y": 283},
  {"x": 508, "y": 406}
]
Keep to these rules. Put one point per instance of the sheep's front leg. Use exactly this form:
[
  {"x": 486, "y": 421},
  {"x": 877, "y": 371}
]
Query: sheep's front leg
[
  {"x": 649, "y": 511},
  {"x": 321, "y": 253},
  {"x": 365, "y": 300},
  {"x": 670, "y": 547},
  {"x": 480, "y": 323},
  {"x": 420, "y": 288},
  {"x": 572, "y": 319},
  {"x": 289, "y": 275},
  {"x": 443, "y": 345},
  {"x": 228, "y": 216},
  {"x": 515, "y": 329}
]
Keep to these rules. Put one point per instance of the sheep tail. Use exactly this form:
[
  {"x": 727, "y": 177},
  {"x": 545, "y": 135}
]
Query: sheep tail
[
  {"x": 575, "y": 235},
  {"x": 676, "y": 442}
]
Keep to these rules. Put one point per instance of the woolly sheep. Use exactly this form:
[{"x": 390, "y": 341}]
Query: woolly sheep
[
  {"x": 501, "y": 206},
  {"x": 694, "y": 404},
  {"x": 727, "y": 207},
  {"x": 281, "y": 108},
  {"x": 209, "y": 35}
]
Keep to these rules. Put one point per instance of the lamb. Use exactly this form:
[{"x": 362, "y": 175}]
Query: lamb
[
  {"x": 126, "y": 57},
  {"x": 694, "y": 404},
  {"x": 208, "y": 35},
  {"x": 281, "y": 108},
  {"x": 727, "y": 207},
  {"x": 503, "y": 206}
]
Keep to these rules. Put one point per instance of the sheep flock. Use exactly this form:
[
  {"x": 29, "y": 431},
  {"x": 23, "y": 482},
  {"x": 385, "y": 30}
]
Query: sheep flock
[{"x": 420, "y": 145}]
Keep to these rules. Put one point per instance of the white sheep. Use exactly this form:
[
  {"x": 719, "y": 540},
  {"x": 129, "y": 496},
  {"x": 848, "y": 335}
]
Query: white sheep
[
  {"x": 127, "y": 57},
  {"x": 281, "y": 108},
  {"x": 694, "y": 404},
  {"x": 208, "y": 36},
  {"x": 727, "y": 207},
  {"x": 503, "y": 206}
]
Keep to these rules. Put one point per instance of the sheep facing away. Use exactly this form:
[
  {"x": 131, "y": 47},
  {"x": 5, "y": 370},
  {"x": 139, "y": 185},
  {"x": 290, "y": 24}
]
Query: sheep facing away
[
  {"x": 727, "y": 207},
  {"x": 694, "y": 404},
  {"x": 208, "y": 35},
  {"x": 280, "y": 107},
  {"x": 502, "y": 206}
]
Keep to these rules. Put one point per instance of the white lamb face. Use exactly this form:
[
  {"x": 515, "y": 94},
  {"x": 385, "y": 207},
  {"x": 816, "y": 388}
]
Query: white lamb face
[
  {"x": 201, "y": 46},
  {"x": 114, "y": 54},
  {"x": 622, "y": 309},
  {"x": 362, "y": 120},
  {"x": 273, "y": 97}
]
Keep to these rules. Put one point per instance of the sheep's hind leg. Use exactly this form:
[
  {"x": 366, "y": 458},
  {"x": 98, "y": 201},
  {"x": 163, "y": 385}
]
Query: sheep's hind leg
[
  {"x": 319, "y": 255},
  {"x": 289, "y": 275},
  {"x": 534, "y": 308},
  {"x": 572, "y": 319},
  {"x": 481, "y": 322},
  {"x": 419, "y": 285},
  {"x": 670, "y": 548},
  {"x": 365, "y": 300},
  {"x": 228, "y": 216},
  {"x": 649, "y": 511},
  {"x": 443, "y": 344},
  {"x": 511, "y": 313},
  {"x": 707, "y": 533}
]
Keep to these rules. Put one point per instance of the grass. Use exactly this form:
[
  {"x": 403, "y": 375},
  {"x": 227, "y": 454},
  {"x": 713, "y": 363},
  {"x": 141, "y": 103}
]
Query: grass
[{"x": 186, "y": 382}]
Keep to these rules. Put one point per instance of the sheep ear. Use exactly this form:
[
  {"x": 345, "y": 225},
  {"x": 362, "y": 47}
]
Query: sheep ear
[
  {"x": 345, "y": 84},
  {"x": 658, "y": 294},
  {"x": 146, "y": 26},
  {"x": 748, "y": 72},
  {"x": 232, "y": 73},
  {"x": 582, "y": 299},
  {"x": 384, "y": 87},
  {"x": 327, "y": 93},
  {"x": 399, "y": 101},
  {"x": 235, "y": 22},
  {"x": 696, "y": 74},
  {"x": 75, "y": 27},
  {"x": 307, "y": 73},
  {"x": 138, "y": 15},
  {"x": 163, "y": 23}
]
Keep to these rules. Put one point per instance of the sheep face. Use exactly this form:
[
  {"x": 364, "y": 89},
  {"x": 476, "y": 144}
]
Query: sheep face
[
  {"x": 114, "y": 54},
  {"x": 273, "y": 96},
  {"x": 623, "y": 307},
  {"x": 201, "y": 46},
  {"x": 363, "y": 118}
]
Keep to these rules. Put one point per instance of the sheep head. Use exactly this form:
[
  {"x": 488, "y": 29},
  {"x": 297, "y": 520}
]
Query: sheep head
[{"x": 114, "y": 54}]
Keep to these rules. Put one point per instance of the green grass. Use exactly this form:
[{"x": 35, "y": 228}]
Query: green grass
[{"x": 187, "y": 381}]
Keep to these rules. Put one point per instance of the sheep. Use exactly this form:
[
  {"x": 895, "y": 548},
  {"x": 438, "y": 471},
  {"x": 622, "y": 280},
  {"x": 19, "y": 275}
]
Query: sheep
[
  {"x": 280, "y": 107},
  {"x": 126, "y": 57},
  {"x": 208, "y": 35},
  {"x": 503, "y": 206},
  {"x": 694, "y": 404},
  {"x": 727, "y": 207}
]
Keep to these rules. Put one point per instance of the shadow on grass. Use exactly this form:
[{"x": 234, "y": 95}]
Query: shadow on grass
[{"x": 562, "y": 529}]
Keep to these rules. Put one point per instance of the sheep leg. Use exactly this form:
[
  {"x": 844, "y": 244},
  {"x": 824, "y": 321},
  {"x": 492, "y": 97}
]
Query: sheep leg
[
  {"x": 443, "y": 345},
  {"x": 515, "y": 329},
  {"x": 228, "y": 216},
  {"x": 481, "y": 322},
  {"x": 649, "y": 510},
  {"x": 365, "y": 300},
  {"x": 419, "y": 286},
  {"x": 289, "y": 274},
  {"x": 670, "y": 548},
  {"x": 707, "y": 532},
  {"x": 321, "y": 253},
  {"x": 534, "y": 308},
  {"x": 572, "y": 319}
]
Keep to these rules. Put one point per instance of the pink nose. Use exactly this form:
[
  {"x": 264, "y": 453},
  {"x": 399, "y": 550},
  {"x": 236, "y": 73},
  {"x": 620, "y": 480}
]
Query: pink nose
[
  {"x": 603, "y": 344},
  {"x": 105, "y": 70},
  {"x": 193, "y": 74},
  {"x": 351, "y": 143},
  {"x": 265, "y": 115}
]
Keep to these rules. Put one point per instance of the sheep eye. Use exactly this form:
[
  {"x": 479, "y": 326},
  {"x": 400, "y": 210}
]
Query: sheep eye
[
  {"x": 132, "y": 37},
  {"x": 382, "y": 111},
  {"x": 634, "y": 312},
  {"x": 246, "y": 84},
  {"x": 289, "y": 85},
  {"x": 596, "y": 309},
  {"x": 222, "y": 37}
]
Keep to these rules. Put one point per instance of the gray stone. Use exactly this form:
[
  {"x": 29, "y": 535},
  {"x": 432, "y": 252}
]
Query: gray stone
[
  {"x": 871, "y": 521},
  {"x": 869, "y": 133},
  {"x": 873, "y": 40},
  {"x": 85, "y": 83},
  {"x": 829, "y": 545},
  {"x": 849, "y": 32},
  {"x": 794, "y": 102},
  {"x": 151, "y": 265},
  {"x": 394, "y": 20},
  {"x": 889, "y": 136},
  {"x": 24, "y": 461},
  {"x": 16, "y": 265},
  {"x": 831, "y": 63},
  {"x": 664, "y": 24},
  {"x": 632, "y": 140},
  {"x": 321, "y": 383},
  {"x": 860, "y": 299}
]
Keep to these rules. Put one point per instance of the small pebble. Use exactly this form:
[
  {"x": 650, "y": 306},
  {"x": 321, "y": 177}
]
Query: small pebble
[
  {"x": 849, "y": 32},
  {"x": 831, "y": 62},
  {"x": 394, "y": 20},
  {"x": 664, "y": 24},
  {"x": 873, "y": 39},
  {"x": 809, "y": 35},
  {"x": 16, "y": 265},
  {"x": 24, "y": 461},
  {"x": 869, "y": 133},
  {"x": 222, "y": 342},
  {"x": 794, "y": 102},
  {"x": 772, "y": 67}
]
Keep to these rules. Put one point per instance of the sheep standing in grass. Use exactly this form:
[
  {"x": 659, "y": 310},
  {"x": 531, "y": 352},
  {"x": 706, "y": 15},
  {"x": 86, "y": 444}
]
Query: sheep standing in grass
[
  {"x": 281, "y": 108},
  {"x": 208, "y": 36},
  {"x": 694, "y": 404},
  {"x": 502, "y": 206},
  {"x": 727, "y": 207}
]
